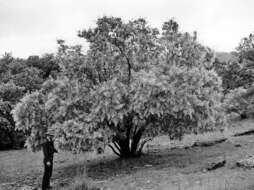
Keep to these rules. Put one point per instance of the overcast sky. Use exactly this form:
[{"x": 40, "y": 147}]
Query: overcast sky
[{"x": 32, "y": 26}]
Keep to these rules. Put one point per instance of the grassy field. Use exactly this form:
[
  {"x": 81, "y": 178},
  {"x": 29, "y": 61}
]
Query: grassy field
[{"x": 165, "y": 165}]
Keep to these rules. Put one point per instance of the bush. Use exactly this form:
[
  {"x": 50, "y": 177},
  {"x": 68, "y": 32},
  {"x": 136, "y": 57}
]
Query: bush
[
  {"x": 240, "y": 101},
  {"x": 10, "y": 139}
]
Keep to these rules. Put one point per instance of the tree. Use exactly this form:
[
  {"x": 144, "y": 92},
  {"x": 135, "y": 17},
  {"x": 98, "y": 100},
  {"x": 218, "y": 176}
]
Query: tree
[
  {"x": 130, "y": 86},
  {"x": 245, "y": 52},
  {"x": 237, "y": 68},
  {"x": 9, "y": 95},
  {"x": 18, "y": 76},
  {"x": 232, "y": 74},
  {"x": 239, "y": 79},
  {"x": 59, "y": 102},
  {"x": 240, "y": 101},
  {"x": 46, "y": 64},
  {"x": 4, "y": 63}
]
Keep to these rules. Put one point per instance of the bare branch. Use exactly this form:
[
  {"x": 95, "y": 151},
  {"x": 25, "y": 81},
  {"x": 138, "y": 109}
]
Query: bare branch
[
  {"x": 118, "y": 154},
  {"x": 117, "y": 146},
  {"x": 128, "y": 61}
]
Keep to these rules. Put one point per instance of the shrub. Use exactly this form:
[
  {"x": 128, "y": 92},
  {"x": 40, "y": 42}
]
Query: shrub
[{"x": 240, "y": 101}]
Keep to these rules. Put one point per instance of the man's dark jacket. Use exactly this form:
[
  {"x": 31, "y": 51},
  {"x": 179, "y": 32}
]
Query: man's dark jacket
[{"x": 48, "y": 152}]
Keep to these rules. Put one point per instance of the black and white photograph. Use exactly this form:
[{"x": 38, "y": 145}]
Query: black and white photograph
[{"x": 127, "y": 94}]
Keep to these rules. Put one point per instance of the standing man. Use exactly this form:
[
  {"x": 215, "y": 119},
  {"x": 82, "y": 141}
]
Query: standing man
[{"x": 48, "y": 152}]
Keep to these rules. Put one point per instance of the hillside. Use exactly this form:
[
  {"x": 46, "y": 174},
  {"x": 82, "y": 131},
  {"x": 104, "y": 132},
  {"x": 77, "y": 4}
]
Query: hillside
[{"x": 166, "y": 164}]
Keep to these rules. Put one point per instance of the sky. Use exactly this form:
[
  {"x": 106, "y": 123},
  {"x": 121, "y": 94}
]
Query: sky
[{"x": 31, "y": 27}]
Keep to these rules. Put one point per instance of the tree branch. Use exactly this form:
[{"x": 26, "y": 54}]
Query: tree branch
[
  {"x": 135, "y": 130},
  {"x": 118, "y": 154},
  {"x": 142, "y": 144},
  {"x": 128, "y": 62},
  {"x": 116, "y": 145}
]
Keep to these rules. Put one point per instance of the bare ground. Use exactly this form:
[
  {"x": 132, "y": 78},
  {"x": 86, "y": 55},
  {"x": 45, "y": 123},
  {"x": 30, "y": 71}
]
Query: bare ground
[{"x": 165, "y": 165}]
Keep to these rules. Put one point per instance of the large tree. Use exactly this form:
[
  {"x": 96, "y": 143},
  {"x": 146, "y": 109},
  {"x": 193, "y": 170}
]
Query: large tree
[{"x": 131, "y": 85}]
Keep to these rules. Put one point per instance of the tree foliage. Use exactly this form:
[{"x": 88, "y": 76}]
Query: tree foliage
[
  {"x": 246, "y": 56},
  {"x": 17, "y": 77},
  {"x": 241, "y": 102},
  {"x": 132, "y": 84},
  {"x": 9, "y": 95},
  {"x": 238, "y": 72},
  {"x": 238, "y": 79}
]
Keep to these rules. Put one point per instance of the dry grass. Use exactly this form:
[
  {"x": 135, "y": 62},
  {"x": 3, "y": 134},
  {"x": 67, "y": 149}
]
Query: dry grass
[
  {"x": 80, "y": 181},
  {"x": 166, "y": 165}
]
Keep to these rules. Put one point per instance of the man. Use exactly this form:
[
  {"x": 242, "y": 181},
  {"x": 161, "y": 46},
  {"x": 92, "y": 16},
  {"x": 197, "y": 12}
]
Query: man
[{"x": 48, "y": 152}]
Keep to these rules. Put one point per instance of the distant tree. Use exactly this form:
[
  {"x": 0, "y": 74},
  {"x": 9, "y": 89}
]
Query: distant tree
[
  {"x": 46, "y": 64},
  {"x": 132, "y": 85},
  {"x": 241, "y": 74},
  {"x": 17, "y": 77},
  {"x": 21, "y": 73},
  {"x": 246, "y": 47},
  {"x": 4, "y": 63},
  {"x": 246, "y": 57},
  {"x": 241, "y": 102},
  {"x": 9, "y": 96},
  {"x": 237, "y": 71},
  {"x": 231, "y": 73}
]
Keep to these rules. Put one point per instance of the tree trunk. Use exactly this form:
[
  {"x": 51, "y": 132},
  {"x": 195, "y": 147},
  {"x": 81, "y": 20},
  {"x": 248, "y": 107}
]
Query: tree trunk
[
  {"x": 243, "y": 115},
  {"x": 128, "y": 147},
  {"x": 135, "y": 141}
]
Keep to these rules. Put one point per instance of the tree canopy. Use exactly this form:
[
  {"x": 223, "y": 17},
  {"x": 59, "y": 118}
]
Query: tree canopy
[
  {"x": 238, "y": 79},
  {"x": 238, "y": 72},
  {"x": 132, "y": 84}
]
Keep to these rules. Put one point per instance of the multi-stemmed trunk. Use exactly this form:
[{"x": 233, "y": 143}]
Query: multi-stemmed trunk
[{"x": 129, "y": 145}]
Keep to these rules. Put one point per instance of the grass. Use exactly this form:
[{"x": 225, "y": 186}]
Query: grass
[
  {"x": 166, "y": 165},
  {"x": 80, "y": 182}
]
